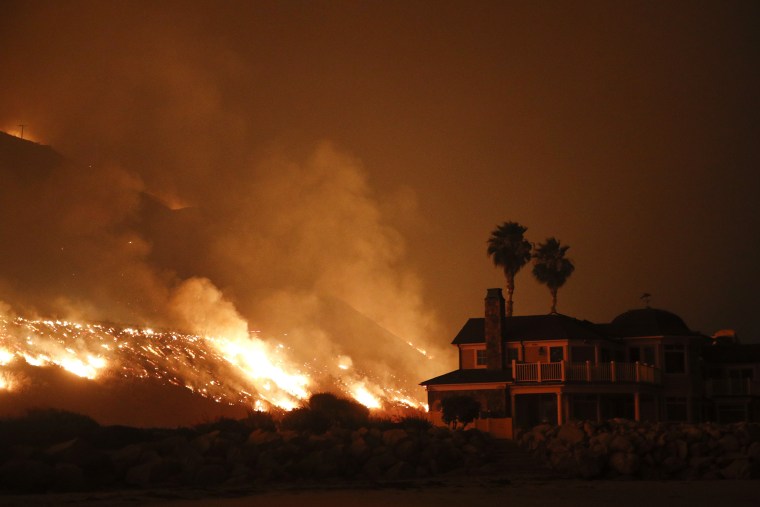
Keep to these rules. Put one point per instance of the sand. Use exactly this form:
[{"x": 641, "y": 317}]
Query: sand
[{"x": 491, "y": 493}]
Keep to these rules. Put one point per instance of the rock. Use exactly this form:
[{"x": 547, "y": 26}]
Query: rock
[
  {"x": 400, "y": 471},
  {"x": 68, "y": 477},
  {"x": 359, "y": 448},
  {"x": 682, "y": 449},
  {"x": 625, "y": 463},
  {"x": 673, "y": 464},
  {"x": 570, "y": 434},
  {"x": 729, "y": 443},
  {"x": 263, "y": 437},
  {"x": 211, "y": 474},
  {"x": 138, "y": 475},
  {"x": 620, "y": 443},
  {"x": 127, "y": 456},
  {"x": 753, "y": 452},
  {"x": 737, "y": 469},
  {"x": 408, "y": 450},
  {"x": 392, "y": 437}
]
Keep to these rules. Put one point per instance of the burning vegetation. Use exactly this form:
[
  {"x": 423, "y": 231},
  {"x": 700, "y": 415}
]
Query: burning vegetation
[{"x": 246, "y": 371}]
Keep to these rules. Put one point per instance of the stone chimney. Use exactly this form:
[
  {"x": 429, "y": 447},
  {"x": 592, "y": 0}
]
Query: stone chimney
[{"x": 495, "y": 316}]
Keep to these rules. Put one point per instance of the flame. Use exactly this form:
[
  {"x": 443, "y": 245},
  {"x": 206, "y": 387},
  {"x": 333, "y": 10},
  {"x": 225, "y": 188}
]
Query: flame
[
  {"x": 242, "y": 368},
  {"x": 361, "y": 394}
]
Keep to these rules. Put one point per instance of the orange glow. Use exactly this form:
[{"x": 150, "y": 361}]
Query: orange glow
[{"x": 239, "y": 368}]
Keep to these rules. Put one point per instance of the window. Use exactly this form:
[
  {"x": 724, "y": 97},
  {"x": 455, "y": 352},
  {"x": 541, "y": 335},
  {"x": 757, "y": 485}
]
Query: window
[
  {"x": 512, "y": 354},
  {"x": 675, "y": 361},
  {"x": 643, "y": 355},
  {"x": 581, "y": 354},
  {"x": 648, "y": 355},
  {"x": 556, "y": 354},
  {"x": 480, "y": 357}
]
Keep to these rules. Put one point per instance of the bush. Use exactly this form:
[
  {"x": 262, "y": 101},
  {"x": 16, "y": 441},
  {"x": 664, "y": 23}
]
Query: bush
[
  {"x": 46, "y": 426},
  {"x": 260, "y": 420},
  {"x": 305, "y": 420},
  {"x": 458, "y": 410},
  {"x": 339, "y": 412}
]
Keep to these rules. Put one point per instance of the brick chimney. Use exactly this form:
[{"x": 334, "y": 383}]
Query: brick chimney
[{"x": 495, "y": 316}]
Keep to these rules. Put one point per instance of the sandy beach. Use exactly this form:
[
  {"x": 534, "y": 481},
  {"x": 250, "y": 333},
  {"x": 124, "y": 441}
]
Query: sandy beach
[{"x": 431, "y": 494}]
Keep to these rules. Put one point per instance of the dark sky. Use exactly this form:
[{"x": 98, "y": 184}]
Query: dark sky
[{"x": 365, "y": 150}]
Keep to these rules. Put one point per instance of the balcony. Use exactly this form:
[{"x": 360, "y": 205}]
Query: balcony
[
  {"x": 563, "y": 371},
  {"x": 731, "y": 387}
]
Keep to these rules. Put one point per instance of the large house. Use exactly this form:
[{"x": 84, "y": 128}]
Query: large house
[{"x": 644, "y": 365}]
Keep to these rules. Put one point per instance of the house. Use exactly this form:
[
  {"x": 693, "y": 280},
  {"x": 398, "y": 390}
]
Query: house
[{"x": 644, "y": 365}]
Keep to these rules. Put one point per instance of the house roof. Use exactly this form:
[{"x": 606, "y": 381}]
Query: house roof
[
  {"x": 732, "y": 353},
  {"x": 554, "y": 326},
  {"x": 649, "y": 322},
  {"x": 478, "y": 376}
]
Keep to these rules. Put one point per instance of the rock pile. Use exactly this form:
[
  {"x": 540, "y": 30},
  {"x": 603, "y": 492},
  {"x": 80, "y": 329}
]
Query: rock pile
[
  {"x": 622, "y": 448},
  {"x": 237, "y": 457}
]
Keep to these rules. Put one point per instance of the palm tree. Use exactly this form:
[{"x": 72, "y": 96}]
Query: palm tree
[
  {"x": 510, "y": 251},
  {"x": 551, "y": 268}
]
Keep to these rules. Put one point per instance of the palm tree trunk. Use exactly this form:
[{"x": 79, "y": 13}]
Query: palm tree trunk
[
  {"x": 554, "y": 299},
  {"x": 510, "y": 291}
]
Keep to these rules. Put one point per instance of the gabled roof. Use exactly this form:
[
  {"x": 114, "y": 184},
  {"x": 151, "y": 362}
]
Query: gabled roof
[
  {"x": 554, "y": 326},
  {"x": 478, "y": 376}
]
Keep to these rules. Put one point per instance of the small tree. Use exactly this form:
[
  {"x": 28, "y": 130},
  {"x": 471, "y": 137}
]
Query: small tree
[{"x": 461, "y": 409}]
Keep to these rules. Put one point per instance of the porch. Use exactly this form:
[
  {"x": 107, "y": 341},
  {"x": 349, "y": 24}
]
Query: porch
[{"x": 563, "y": 371}]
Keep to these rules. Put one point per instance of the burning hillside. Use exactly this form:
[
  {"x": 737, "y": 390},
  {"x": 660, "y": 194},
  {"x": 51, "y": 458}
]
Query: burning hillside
[{"x": 245, "y": 372}]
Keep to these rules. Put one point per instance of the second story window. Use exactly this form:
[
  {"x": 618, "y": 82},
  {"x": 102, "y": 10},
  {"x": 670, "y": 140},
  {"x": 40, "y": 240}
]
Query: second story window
[
  {"x": 480, "y": 358},
  {"x": 556, "y": 354},
  {"x": 675, "y": 359}
]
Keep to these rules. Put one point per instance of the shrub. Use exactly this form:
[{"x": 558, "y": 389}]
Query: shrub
[
  {"x": 46, "y": 426},
  {"x": 260, "y": 420},
  {"x": 458, "y": 410},
  {"x": 305, "y": 420},
  {"x": 340, "y": 412}
]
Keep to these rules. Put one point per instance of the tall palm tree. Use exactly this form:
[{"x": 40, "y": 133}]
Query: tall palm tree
[
  {"x": 551, "y": 268},
  {"x": 510, "y": 251}
]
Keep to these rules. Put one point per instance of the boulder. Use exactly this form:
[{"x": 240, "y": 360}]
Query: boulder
[
  {"x": 624, "y": 463},
  {"x": 737, "y": 469},
  {"x": 68, "y": 477},
  {"x": 392, "y": 437},
  {"x": 570, "y": 434}
]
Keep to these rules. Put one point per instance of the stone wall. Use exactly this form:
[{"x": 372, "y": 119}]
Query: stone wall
[
  {"x": 236, "y": 458},
  {"x": 622, "y": 448}
]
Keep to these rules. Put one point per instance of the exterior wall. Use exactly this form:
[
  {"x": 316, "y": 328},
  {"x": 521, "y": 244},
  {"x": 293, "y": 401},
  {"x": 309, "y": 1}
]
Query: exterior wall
[
  {"x": 468, "y": 356},
  {"x": 493, "y": 402}
]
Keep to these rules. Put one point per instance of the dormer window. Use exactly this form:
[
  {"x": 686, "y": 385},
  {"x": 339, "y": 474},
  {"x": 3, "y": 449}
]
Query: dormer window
[{"x": 480, "y": 358}]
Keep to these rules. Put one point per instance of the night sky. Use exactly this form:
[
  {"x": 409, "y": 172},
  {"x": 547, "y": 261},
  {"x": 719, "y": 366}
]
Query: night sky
[{"x": 365, "y": 150}]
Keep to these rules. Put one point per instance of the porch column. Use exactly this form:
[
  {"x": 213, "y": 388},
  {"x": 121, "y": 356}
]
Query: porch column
[
  {"x": 559, "y": 408},
  {"x": 636, "y": 407}
]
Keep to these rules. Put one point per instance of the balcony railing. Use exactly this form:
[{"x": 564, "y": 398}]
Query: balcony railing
[
  {"x": 563, "y": 371},
  {"x": 731, "y": 387}
]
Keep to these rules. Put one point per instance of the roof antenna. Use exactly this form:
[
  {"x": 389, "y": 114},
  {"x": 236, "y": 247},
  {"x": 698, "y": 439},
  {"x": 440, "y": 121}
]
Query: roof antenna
[
  {"x": 645, "y": 298},
  {"x": 22, "y": 130}
]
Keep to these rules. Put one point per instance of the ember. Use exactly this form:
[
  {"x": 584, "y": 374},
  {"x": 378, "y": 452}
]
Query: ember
[{"x": 239, "y": 370}]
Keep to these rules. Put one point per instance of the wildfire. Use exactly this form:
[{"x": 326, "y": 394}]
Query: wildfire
[{"x": 239, "y": 369}]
